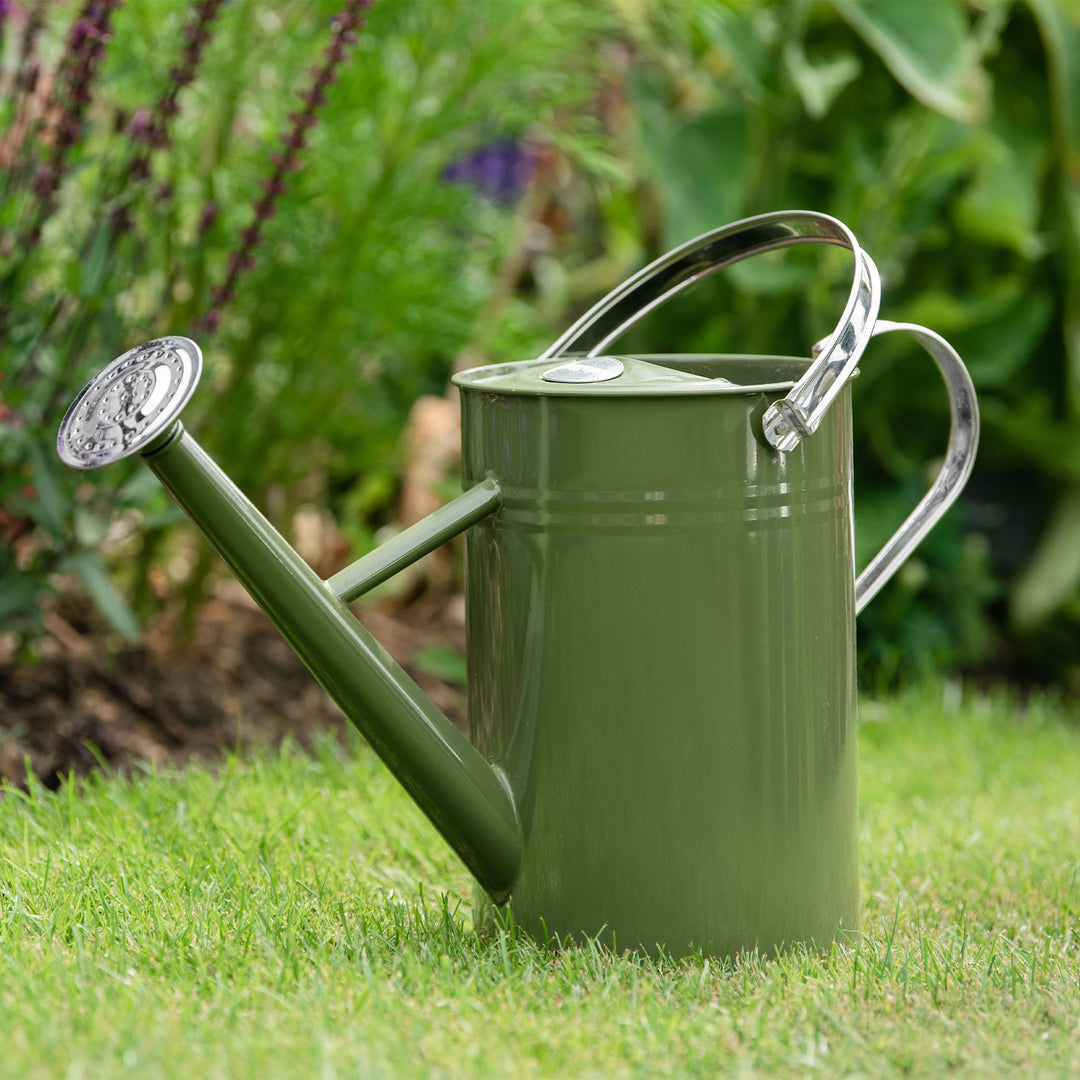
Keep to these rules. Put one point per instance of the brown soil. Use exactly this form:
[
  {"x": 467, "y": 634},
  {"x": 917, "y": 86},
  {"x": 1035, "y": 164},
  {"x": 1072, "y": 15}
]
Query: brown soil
[{"x": 235, "y": 684}]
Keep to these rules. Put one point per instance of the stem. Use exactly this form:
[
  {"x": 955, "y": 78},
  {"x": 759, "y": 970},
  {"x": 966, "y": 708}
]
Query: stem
[{"x": 287, "y": 160}]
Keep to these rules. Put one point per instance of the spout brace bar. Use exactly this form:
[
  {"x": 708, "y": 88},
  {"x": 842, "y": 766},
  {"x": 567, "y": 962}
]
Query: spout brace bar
[{"x": 416, "y": 541}]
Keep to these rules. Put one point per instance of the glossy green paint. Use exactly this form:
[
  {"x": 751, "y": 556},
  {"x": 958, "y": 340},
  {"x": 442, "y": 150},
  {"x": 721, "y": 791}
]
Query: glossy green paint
[
  {"x": 661, "y": 653},
  {"x": 416, "y": 541},
  {"x": 466, "y": 799}
]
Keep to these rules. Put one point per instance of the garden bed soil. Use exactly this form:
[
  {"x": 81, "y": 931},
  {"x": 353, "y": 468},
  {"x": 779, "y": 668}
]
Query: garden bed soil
[{"x": 235, "y": 684}]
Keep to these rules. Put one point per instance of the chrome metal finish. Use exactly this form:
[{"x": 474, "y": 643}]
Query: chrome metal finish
[
  {"x": 587, "y": 370},
  {"x": 791, "y": 419},
  {"x": 788, "y": 421},
  {"x": 959, "y": 460},
  {"x": 129, "y": 403}
]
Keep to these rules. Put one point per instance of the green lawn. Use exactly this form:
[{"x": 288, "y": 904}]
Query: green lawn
[{"x": 294, "y": 915}]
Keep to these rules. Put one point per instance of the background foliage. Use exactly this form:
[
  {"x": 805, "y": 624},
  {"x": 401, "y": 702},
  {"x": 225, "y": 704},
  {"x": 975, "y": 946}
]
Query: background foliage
[{"x": 478, "y": 174}]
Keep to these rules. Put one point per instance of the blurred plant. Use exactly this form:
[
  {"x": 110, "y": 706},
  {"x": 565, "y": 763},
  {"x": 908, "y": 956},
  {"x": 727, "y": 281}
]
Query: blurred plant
[
  {"x": 947, "y": 136},
  {"x": 134, "y": 195},
  {"x": 287, "y": 160},
  {"x": 62, "y": 125},
  {"x": 478, "y": 173}
]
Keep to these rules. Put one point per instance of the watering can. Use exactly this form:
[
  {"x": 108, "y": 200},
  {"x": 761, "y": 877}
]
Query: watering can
[{"x": 661, "y": 602}]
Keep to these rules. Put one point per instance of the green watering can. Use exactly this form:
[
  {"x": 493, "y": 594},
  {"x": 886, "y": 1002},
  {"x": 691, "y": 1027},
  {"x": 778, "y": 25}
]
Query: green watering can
[{"x": 661, "y": 603}]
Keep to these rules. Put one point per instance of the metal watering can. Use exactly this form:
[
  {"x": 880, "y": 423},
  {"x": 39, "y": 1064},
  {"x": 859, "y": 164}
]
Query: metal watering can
[{"x": 661, "y": 603}]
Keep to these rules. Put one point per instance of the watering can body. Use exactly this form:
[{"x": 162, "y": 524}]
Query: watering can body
[
  {"x": 661, "y": 657},
  {"x": 661, "y": 600}
]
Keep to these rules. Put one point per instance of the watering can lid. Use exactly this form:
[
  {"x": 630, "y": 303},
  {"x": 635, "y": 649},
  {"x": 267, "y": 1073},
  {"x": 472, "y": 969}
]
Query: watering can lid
[{"x": 641, "y": 376}]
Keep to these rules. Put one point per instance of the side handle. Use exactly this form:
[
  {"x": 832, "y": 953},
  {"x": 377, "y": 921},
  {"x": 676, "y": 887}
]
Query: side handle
[{"x": 954, "y": 473}]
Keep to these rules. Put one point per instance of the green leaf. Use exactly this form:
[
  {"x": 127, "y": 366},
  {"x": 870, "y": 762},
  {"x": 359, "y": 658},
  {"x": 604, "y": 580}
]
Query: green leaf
[
  {"x": 1030, "y": 433},
  {"x": 91, "y": 572},
  {"x": 929, "y": 49},
  {"x": 1059, "y": 27},
  {"x": 1002, "y": 204},
  {"x": 819, "y": 83},
  {"x": 700, "y": 167},
  {"x": 1052, "y": 577},
  {"x": 740, "y": 42},
  {"x": 998, "y": 348},
  {"x": 50, "y": 504},
  {"x": 997, "y": 330},
  {"x": 18, "y": 595}
]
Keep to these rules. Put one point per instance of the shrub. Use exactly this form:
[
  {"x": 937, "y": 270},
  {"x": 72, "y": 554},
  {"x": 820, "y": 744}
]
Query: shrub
[
  {"x": 945, "y": 135},
  {"x": 177, "y": 168}
]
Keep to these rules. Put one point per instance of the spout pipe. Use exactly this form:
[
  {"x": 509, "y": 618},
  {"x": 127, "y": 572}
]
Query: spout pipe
[{"x": 465, "y": 796}]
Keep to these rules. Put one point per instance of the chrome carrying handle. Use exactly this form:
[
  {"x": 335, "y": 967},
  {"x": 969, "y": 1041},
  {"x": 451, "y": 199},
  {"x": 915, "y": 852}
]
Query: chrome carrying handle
[
  {"x": 791, "y": 419},
  {"x": 959, "y": 459}
]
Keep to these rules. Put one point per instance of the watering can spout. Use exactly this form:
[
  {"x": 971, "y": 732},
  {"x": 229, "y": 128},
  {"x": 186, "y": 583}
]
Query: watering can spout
[{"x": 131, "y": 407}]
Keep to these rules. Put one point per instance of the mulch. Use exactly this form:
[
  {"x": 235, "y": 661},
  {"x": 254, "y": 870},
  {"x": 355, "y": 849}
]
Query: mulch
[{"x": 234, "y": 684}]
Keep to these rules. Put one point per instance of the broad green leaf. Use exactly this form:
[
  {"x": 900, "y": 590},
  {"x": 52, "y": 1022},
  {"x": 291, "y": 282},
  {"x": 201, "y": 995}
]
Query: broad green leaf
[
  {"x": 700, "y": 167},
  {"x": 996, "y": 331},
  {"x": 91, "y": 572},
  {"x": 51, "y": 506},
  {"x": 1052, "y": 576},
  {"x": 1031, "y": 435},
  {"x": 739, "y": 42},
  {"x": 1002, "y": 204},
  {"x": 1059, "y": 27},
  {"x": 1000, "y": 347},
  {"x": 18, "y": 595},
  {"x": 928, "y": 47}
]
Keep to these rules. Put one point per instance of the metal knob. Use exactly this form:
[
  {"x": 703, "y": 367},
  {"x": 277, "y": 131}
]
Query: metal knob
[{"x": 130, "y": 403}]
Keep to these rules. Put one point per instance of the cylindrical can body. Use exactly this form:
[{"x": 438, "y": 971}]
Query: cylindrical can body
[{"x": 661, "y": 654}]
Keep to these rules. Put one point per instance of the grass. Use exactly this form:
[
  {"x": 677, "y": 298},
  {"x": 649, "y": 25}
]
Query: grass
[{"x": 294, "y": 915}]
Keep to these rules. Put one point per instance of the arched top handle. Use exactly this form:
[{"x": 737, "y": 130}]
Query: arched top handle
[{"x": 797, "y": 415}]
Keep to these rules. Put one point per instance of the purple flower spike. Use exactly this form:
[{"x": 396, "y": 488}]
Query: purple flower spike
[
  {"x": 287, "y": 160},
  {"x": 72, "y": 90},
  {"x": 150, "y": 127},
  {"x": 140, "y": 127}
]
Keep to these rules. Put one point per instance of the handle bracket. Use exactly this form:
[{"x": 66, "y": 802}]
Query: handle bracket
[{"x": 416, "y": 541}]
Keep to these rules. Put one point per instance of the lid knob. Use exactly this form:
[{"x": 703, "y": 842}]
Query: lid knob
[{"x": 585, "y": 369}]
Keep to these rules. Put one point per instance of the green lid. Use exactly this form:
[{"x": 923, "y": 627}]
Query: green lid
[{"x": 659, "y": 374}]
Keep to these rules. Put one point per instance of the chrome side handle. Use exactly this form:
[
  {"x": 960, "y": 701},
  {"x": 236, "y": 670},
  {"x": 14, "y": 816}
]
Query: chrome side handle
[{"x": 954, "y": 473}]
